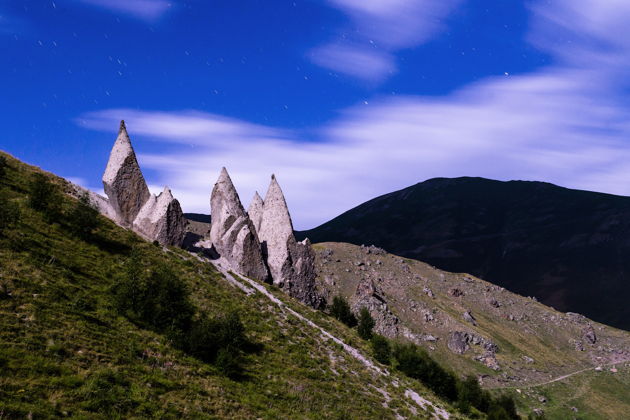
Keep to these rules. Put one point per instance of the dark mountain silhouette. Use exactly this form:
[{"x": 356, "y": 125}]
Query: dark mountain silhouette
[{"x": 569, "y": 248}]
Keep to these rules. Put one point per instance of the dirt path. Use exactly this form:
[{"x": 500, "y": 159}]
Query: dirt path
[{"x": 563, "y": 377}]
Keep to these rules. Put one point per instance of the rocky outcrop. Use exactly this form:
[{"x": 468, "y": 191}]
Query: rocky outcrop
[
  {"x": 291, "y": 263},
  {"x": 232, "y": 232},
  {"x": 161, "y": 219},
  {"x": 131, "y": 205},
  {"x": 369, "y": 296},
  {"x": 123, "y": 181}
]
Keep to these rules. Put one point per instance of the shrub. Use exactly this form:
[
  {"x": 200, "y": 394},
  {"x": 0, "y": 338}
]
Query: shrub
[
  {"x": 155, "y": 298},
  {"x": 366, "y": 324},
  {"x": 469, "y": 393},
  {"x": 416, "y": 363},
  {"x": 381, "y": 349},
  {"x": 220, "y": 340},
  {"x": 503, "y": 408},
  {"x": 9, "y": 212},
  {"x": 45, "y": 197},
  {"x": 341, "y": 310},
  {"x": 84, "y": 217}
]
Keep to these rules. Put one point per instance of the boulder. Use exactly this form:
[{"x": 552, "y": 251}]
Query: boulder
[
  {"x": 161, "y": 219},
  {"x": 123, "y": 181},
  {"x": 232, "y": 232}
]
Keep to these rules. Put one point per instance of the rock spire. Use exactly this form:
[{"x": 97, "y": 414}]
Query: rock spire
[
  {"x": 130, "y": 203},
  {"x": 291, "y": 263},
  {"x": 232, "y": 232},
  {"x": 255, "y": 211},
  {"x": 123, "y": 181}
]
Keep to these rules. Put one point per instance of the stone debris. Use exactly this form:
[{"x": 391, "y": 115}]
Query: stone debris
[{"x": 232, "y": 233}]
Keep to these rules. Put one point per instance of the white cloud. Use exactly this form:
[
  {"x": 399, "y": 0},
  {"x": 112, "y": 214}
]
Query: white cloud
[
  {"x": 567, "y": 124},
  {"x": 149, "y": 10},
  {"x": 378, "y": 29},
  {"x": 367, "y": 64}
]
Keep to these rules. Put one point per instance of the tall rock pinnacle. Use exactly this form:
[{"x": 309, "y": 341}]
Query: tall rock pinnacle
[
  {"x": 255, "y": 211},
  {"x": 291, "y": 263},
  {"x": 232, "y": 232},
  {"x": 276, "y": 233},
  {"x": 123, "y": 181}
]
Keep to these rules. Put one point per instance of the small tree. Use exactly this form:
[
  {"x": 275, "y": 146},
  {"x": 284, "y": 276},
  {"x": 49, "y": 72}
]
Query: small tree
[
  {"x": 45, "y": 197},
  {"x": 366, "y": 324},
  {"x": 3, "y": 166},
  {"x": 469, "y": 393},
  {"x": 9, "y": 212},
  {"x": 341, "y": 310},
  {"x": 84, "y": 217},
  {"x": 381, "y": 349}
]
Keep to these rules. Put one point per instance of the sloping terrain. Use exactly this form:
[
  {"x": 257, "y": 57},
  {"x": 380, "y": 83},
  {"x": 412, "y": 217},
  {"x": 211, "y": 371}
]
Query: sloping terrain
[
  {"x": 568, "y": 248},
  {"x": 558, "y": 362},
  {"x": 66, "y": 351}
]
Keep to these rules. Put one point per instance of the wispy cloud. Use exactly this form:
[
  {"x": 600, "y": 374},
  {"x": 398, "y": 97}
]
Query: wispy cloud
[
  {"x": 378, "y": 28},
  {"x": 149, "y": 10},
  {"x": 567, "y": 124},
  {"x": 365, "y": 63}
]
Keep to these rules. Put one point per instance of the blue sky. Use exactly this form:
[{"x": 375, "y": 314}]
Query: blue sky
[{"x": 342, "y": 99}]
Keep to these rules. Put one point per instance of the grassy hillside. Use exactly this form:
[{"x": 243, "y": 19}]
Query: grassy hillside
[
  {"x": 536, "y": 344},
  {"x": 67, "y": 351}
]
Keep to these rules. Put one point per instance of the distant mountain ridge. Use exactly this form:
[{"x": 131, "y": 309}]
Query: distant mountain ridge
[{"x": 569, "y": 248}]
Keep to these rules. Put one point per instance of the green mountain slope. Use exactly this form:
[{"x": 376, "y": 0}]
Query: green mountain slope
[{"x": 67, "y": 351}]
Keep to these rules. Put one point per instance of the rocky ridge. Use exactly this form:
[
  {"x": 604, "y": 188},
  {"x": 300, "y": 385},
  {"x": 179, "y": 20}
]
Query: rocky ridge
[{"x": 466, "y": 323}]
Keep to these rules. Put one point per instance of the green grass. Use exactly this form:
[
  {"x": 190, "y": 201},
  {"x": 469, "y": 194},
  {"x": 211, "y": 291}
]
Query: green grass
[{"x": 66, "y": 352}]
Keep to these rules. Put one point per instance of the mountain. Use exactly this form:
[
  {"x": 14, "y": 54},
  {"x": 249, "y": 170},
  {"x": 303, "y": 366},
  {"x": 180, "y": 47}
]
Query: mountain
[
  {"x": 98, "y": 323},
  {"x": 563, "y": 365},
  {"x": 568, "y": 248}
]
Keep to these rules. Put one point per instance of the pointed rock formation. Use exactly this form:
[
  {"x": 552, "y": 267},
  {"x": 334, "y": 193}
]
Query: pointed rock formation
[
  {"x": 123, "y": 181},
  {"x": 232, "y": 232},
  {"x": 255, "y": 211},
  {"x": 276, "y": 234},
  {"x": 291, "y": 263},
  {"x": 161, "y": 219}
]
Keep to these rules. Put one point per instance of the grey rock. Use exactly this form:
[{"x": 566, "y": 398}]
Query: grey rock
[
  {"x": 232, "y": 232},
  {"x": 469, "y": 317},
  {"x": 458, "y": 342},
  {"x": 123, "y": 181},
  {"x": 589, "y": 335},
  {"x": 161, "y": 219}
]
